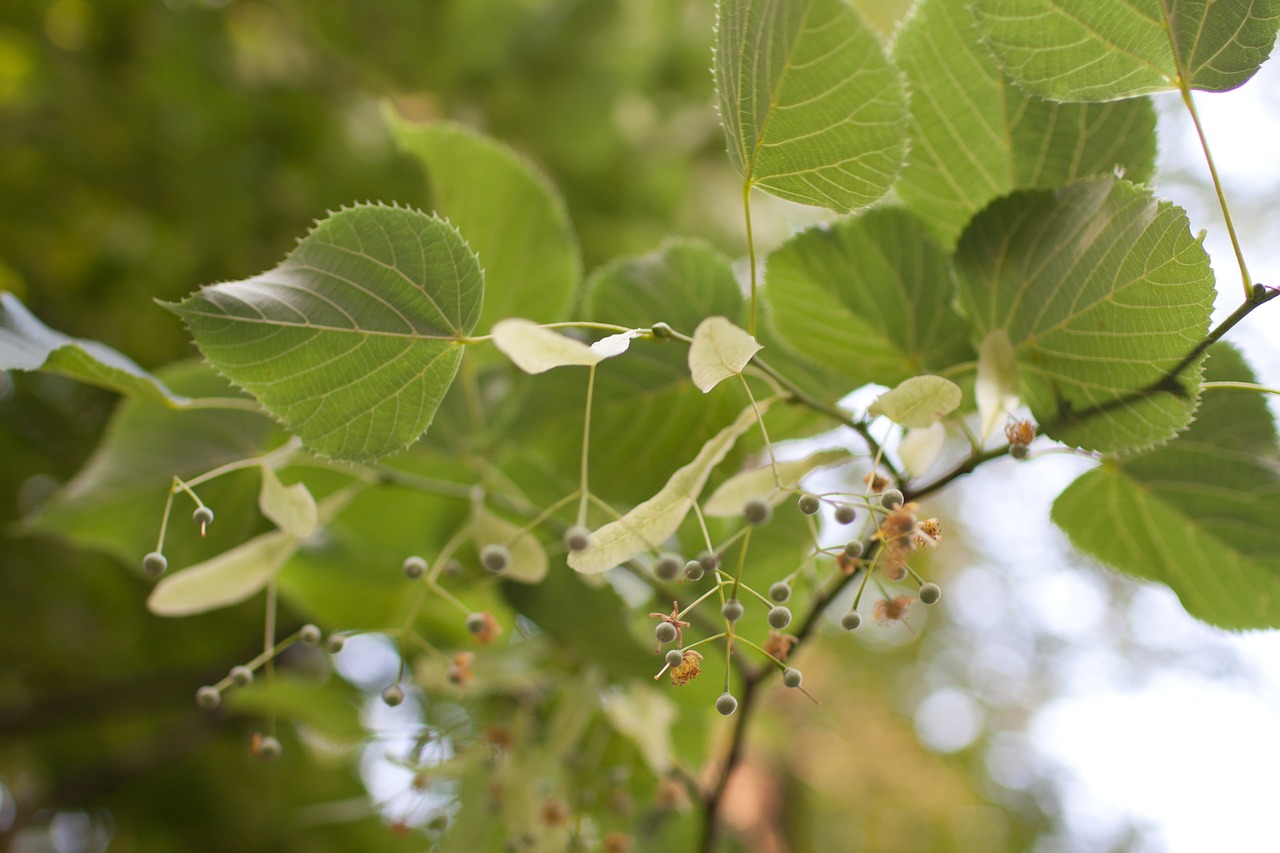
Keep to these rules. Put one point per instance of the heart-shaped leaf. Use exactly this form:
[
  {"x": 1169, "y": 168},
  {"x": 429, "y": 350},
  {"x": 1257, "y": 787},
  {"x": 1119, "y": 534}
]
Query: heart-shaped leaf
[
  {"x": 919, "y": 402},
  {"x": 1099, "y": 50},
  {"x": 719, "y": 350},
  {"x": 812, "y": 109},
  {"x": 353, "y": 340}
]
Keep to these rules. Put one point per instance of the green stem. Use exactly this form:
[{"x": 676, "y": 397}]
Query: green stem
[
  {"x": 1242, "y": 386},
  {"x": 583, "y": 489},
  {"x": 751, "y": 254}
]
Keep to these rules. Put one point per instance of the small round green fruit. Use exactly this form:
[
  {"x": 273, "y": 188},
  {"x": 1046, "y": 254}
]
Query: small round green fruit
[
  {"x": 757, "y": 511},
  {"x": 241, "y": 676},
  {"x": 693, "y": 570},
  {"x": 414, "y": 567},
  {"x": 851, "y": 620},
  {"x": 668, "y": 566},
  {"x": 495, "y": 557},
  {"x": 845, "y": 514},
  {"x": 208, "y": 697},
  {"x": 476, "y": 623},
  {"x": 930, "y": 593},
  {"x": 203, "y": 516},
  {"x": 309, "y": 634},
  {"x": 792, "y": 677},
  {"x": 780, "y": 591},
  {"x": 809, "y": 504},
  {"x": 154, "y": 564},
  {"x": 393, "y": 695},
  {"x": 665, "y": 632},
  {"x": 853, "y": 548},
  {"x": 675, "y": 657},
  {"x": 779, "y": 617},
  {"x": 732, "y": 610},
  {"x": 891, "y": 499},
  {"x": 577, "y": 538},
  {"x": 335, "y": 643},
  {"x": 269, "y": 748},
  {"x": 726, "y": 704}
]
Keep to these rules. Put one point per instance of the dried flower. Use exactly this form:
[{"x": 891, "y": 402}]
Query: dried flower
[
  {"x": 688, "y": 669},
  {"x": 846, "y": 564},
  {"x": 554, "y": 812},
  {"x": 489, "y": 631},
  {"x": 779, "y": 644},
  {"x": 888, "y": 610},
  {"x": 459, "y": 672},
  {"x": 672, "y": 794},
  {"x": 617, "y": 842},
  {"x": 1020, "y": 433},
  {"x": 876, "y": 481}
]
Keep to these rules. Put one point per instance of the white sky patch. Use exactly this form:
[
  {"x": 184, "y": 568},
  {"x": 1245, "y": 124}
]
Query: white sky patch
[{"x": 1199, "y": 762}]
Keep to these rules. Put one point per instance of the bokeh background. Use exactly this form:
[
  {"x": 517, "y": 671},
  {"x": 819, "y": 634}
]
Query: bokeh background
[{"x": 150, "y": 146}]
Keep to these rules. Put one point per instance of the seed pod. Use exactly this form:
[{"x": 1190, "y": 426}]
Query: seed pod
[
  {"x": 675, "y": 657},
  {"x": 414, "y": 567},
  {"x": 779, "y": 617},
  {"x": 853, "y": 548},
  {"x": 809, "y": 504},
  {"x": 241, "y": 676},
  {"x": 334, "y": 644},
  {"x": 1018, "y": 451},
  {"x": 709, "y": 561},
  {"x": 495, "y": 558},
  {"x": 891, "y": 499},
  {"x": 930, "y": 593},
  {"x": 757, "y": 511},
  {"x": 661, "y": 332},
  {"x": 845, "y": 514},
  {"x": 668, "y": 566},
  {"x": 154, "y": 564},
  {"x": 732, "y": 610},
  {"x": 665, "y": 632},
  {"x": 792, "y": 677},
  {"x": 203, "y": 517},
  {"x": 851, "y": 620},
  {"x": 780, "y": 591},
  {"x": 267, "y": 748},
  {"x": 309, "y": 634},
  {"x": 726, "y": 704},
  {"x": 693, "y": 570},
  {"x": 476, "y": 623},
  {"x": 393, "y": 695},
  {"x": 577, "y": 538},
  {"x": 208, "y": 697}
]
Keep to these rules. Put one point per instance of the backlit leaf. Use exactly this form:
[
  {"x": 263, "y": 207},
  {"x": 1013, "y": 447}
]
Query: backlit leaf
[
  {"x": 869, "y": 299},
  {"x": 919, "y": 402},
  {"x": 291, "y": 508},
  {"x": 353, "y": 340},
  {"x": 535, "y": 349},
  {"x": 1101, "y": 289},
  {"x": 812, "y": 109},
  {"x": 731, "y": 495},
  {"x": 997, "y": 384},
  {"x": 1099, "y": 50},
  {"x": 229, "y": 578},
  {"x": 1198, "y": 515},
  {"x": 976, "y": 136},
  {"x": 528, "y": 558}
]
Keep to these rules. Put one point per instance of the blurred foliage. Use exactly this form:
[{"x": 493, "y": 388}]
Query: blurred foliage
[{"x": 147, "y": 147}]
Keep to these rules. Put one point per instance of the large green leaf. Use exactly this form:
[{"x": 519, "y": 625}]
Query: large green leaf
[
  {"x": 116, "y": 502},
  {"x": 976, "y": 136},
  {"x": 869, "y": 298},
  {"x": 28, "y": 344},
  {"x": 1102, "y": 290},
  {"x": 1199, "y": 514},
  {"x": 510, "y": 213},
  {"x": 353, "y": 340},
  {"x": 813, "y": 110},
  {"x": 1098, "y": 50}
]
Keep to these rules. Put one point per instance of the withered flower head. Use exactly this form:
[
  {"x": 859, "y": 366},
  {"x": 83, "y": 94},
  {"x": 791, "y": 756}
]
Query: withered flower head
[
  {"x": 779, "y": 644},
  {"x": 1019, "y": 433},
  {"x": 688, "y": 669},
  {"x": 459, "y": 671},
  {"x": 876, "y": 481},
  {"x": 892, "y": 610}
]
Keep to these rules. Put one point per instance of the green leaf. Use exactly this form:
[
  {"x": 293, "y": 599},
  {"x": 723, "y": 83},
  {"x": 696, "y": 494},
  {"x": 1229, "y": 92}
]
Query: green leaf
[
  {"x": 1198, "y": 515},
  {"x": 918, "y": 402},
  {"x": 719, "y": 350},
  {"x": 290, "y": 508},
  {"x": 116, "y": 501},
  {"x": 229, "y": 578},
  {"x": 921, "y": 447},
  {"x": 28, "y": 344},
  {"x": 975, "y": 136},
  {"x": 510, "y": 213},
  {"x": 651, "y": 523},
  {"x": 868, "y": 298},
  {"x": 644, "y": 715},
  {"x": 1099, "y": 50},
  {"x": 730, "y": 496},
  {"x": 812, "y": 108},
  {"x": 353, "y": 340},
  {"x": 528, "y": 558},
  {"x": 1102, "y": 290}
]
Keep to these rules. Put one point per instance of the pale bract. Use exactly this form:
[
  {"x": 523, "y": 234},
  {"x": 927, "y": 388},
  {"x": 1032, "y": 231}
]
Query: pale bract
[
  {"x": 652, "y": 522},
  {"x": 229, "y": 578},
  {"x": 997, "y": 385},
  {"x": 728, "y": 500},
  {"x": 719, "y": 350},
  {"x": 921, "y": 447},
  {"x": 918, "y": 402},
  {"x": 536, "y": 349},
  {"x": 290, "y": 508}
]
